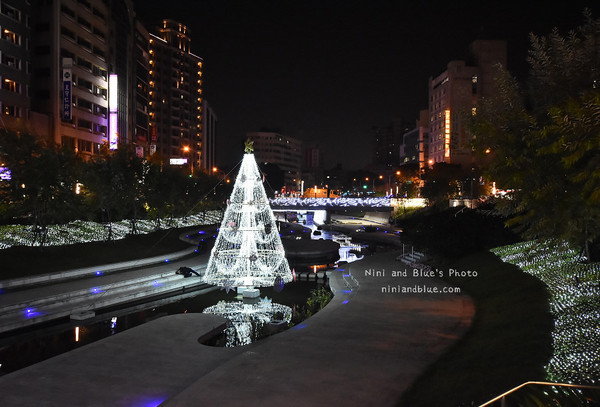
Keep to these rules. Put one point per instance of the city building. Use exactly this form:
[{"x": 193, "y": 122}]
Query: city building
[
  {"x": 70, "y": 56},
  {"x": 209, "y": 137},
  {"x": 175, "y": 85},
  {"x": 15, "y": 65},
  {"x": 414, "y": 147},
  {"x": 284, "y": 151},
  {"x": 386, "y": 144},
  {"x": 454, "y": 94}
]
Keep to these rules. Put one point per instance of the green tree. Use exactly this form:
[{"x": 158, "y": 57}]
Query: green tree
[
  {"x": 43, "y": 182},
  {"x": 545, "y": 137},
  {"x": 112, "y": 186}
]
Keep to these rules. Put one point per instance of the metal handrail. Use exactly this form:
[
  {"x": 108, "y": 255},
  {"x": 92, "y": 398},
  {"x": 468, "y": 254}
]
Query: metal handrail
[{"x": 502, "y": 397}]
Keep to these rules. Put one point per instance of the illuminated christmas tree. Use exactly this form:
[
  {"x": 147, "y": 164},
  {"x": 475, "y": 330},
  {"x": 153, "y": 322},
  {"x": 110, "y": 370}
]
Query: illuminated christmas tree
[{"x": 248, "y": 252}]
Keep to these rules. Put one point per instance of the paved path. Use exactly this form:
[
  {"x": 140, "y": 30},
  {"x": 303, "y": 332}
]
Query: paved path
[{"x": 365, "y": 348}]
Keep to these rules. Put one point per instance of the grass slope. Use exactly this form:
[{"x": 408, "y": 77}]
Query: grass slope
[{"x": 21, "y": 261}]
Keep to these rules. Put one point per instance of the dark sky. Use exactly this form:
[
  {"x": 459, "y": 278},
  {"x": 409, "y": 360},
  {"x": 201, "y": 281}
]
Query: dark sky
[{"x": 330, "y": 70}]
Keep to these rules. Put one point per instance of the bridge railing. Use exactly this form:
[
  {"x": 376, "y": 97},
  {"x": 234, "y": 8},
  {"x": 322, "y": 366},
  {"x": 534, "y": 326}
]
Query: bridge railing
[
  {"x": 380, "y": 202},
  {"x": 545, "y": 394}
]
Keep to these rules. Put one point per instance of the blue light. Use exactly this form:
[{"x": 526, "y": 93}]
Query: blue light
[
  {"x": 156, "y": 283},
  {"x": 166, "y": 260},
  {"x": 148, "y": 401},
  {"x": 299, "y": 326},
  {"x": 346, "y": 291},
  {"x": 31, "y": 313},
  {"x": 96, "y": 290},
  {"x": 346, "y": 275},
  {"x": 346, "y": 302},
  {"x": 201, "y": 232},
  {"x": 98, "y": 273}
]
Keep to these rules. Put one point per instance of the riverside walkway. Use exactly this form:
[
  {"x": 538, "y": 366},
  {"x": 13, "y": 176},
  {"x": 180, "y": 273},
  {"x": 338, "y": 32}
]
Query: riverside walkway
[{"x": 364, "y": 348}]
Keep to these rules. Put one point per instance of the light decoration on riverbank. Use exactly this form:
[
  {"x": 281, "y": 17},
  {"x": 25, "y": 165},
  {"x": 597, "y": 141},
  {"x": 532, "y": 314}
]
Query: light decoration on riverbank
[
  {"x": 246, "y": 321},
  {"x": 248, "y": 251},
  {"x": 84, "y": 231},
  {"x": 574, "y": 287}
]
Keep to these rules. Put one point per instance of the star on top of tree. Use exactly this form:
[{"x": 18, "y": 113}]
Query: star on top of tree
[{"x": 249, "y": 147}]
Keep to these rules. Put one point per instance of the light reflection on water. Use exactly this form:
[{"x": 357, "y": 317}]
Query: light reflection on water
[
  {"x": 22, "y": 350},
  {"x": 19, "y": 351}
]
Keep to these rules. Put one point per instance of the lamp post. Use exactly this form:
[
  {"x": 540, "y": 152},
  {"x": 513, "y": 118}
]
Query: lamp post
[{"x": 186, "y": 150}]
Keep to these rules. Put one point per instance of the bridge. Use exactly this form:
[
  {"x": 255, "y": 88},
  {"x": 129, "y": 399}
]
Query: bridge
[
  {"x": 319, "y": 208},
  {"x": 383, "y": 203}
]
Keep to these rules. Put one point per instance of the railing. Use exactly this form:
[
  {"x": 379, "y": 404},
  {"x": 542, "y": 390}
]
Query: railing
[
  {"x": 331, "y": 202},
  {"x": 529, "y": 393}
]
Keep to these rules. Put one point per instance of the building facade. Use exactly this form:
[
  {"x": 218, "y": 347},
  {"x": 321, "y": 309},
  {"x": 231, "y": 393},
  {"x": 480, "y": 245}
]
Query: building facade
[
  {"x": 387, "y": 141},
  {"x": 15, "y": 65},
  {"x": 175, "y": 88},
  {"x": 284, "y": 151},
  {"x": 209, "y": 137},
  {"x": 454, "y": 94},
  {"x": 415, "y": 143}
]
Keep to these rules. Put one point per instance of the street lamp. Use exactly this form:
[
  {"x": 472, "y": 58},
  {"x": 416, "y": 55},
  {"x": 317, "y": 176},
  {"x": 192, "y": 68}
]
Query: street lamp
[{"x": 186, "y": 150}]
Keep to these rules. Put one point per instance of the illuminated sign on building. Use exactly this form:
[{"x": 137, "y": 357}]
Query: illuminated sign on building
[
  {"x": 178, "y": 161},
  {"x": 67, "y": 83},
  {"x": 5, "y": 174},
  {"x": 113, "y": 135},
  {"x": 447, "y": 134}
]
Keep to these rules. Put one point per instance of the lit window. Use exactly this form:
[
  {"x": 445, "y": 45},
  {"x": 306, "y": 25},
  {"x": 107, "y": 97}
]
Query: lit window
[
  {"x": 10, "y": 85},
  {"x": 11, "y": 36}
]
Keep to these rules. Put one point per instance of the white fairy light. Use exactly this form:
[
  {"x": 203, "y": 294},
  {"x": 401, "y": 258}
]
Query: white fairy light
[
  {"x": 244, "y": 320},
  {"x": 83, "y": 231},
  {"x": 574, "y": 288},
  {"x": 248, "y": 250}
]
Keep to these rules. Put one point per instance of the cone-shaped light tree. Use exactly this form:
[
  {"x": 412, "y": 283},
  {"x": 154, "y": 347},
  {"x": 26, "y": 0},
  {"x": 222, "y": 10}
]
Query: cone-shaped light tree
[{"x": 248, "y": 251}]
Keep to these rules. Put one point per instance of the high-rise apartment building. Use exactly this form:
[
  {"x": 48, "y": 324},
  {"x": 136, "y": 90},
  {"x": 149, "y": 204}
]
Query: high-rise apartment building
[
  {"x": 15, "y": 66},
  {"x": 209, "y": 137},
  {"x": 175, "y": 96},
  {"x": 70, "y": 58},
  {"x": 284, "y": 151},
  {"x": 386, "y": 144},
  {"x": 454, "y": 94},
  {"x": 414, "y": 148}
]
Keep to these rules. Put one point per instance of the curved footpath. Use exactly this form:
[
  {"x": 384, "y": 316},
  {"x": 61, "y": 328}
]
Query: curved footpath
[{"x": 364, "y": 348}]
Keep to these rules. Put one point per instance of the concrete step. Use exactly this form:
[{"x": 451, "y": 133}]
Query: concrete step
[{"x": 86, "y": 301}]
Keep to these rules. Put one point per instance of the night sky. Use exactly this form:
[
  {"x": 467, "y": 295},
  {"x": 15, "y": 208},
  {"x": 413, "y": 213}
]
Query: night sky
[{"x": 331, "y": 70}]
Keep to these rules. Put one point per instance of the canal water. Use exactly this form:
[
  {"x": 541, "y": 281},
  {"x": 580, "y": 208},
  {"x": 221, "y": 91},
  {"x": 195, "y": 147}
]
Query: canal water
[{"x": 23, "y": 349}]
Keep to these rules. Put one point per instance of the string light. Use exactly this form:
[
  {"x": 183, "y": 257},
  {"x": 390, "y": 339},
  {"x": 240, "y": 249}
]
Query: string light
[
  {"x": 248, "y": 250},
  {"x": 85, "y": 231},
  {"x": 575, "y": 303}
]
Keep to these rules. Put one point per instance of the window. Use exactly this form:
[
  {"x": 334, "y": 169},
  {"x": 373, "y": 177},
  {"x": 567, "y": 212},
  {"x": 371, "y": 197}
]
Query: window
[
  {"x": 85, "y": 104},
  {"x": 84, "y": 23},
  {"x": 98, "y": 128},
  {"x": 11, "y": 36},
  {"x": 11, "y": 61},
  {"x": 11, "y": 111},
  {"x": 67, "y": 33},
  {"x": 67, "y": 11},
  {"x": 84, "y": 63},
  {"x": 84, "y": 43},
  {"x": 98, "y": 91},
  {"x": 100, "y": 110},
  {"x": 10, "y": 12},
  {"x": 98, "y": 13},
  {"x": 97, "y": 32},
  {"x": 84, "y": 124},
  {"x": 84, "y": 145},
  {"x": 11, "y": 86}
]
